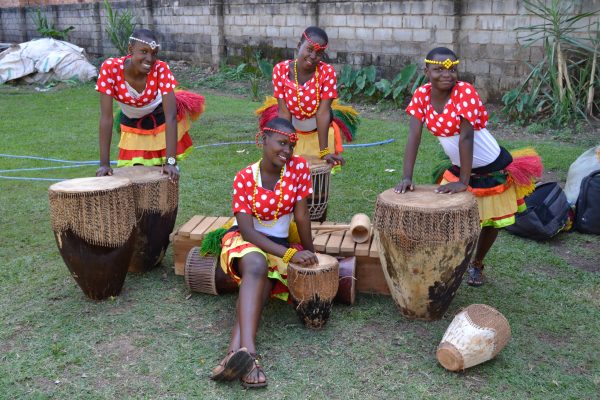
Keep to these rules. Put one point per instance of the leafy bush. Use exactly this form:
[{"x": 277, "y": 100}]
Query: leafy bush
[
  {"x": 119, "y": 28},
  {"x": 561, "y": 88},
  {"x": 43, "y": 28},
  {"x": 362, "y": 84}
]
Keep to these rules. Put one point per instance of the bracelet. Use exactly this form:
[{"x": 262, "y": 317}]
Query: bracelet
[
  {"x": 324, "y": 152},
  {"x": 289, "y": 253}
]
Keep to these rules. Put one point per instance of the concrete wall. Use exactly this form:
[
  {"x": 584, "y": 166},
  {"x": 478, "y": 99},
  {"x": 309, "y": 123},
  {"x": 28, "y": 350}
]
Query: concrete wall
[{"x": 388, "y": 34}]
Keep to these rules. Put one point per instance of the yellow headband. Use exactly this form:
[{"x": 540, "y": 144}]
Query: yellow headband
[{"x": 446, "y": 63}]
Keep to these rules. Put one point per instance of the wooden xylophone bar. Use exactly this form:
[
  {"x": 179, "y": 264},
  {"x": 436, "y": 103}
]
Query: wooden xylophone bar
[{"x": 369, "y": 275}]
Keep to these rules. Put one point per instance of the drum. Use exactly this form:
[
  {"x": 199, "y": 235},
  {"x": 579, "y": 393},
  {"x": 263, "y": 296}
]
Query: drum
[
  {"x": 425, "y": 244},
  {"x": 346, "y": 293},
  {"x": 320, "y": 172},
  {"x": 475, "y": 335},
  {"x": 93, "y": 220},
  {"x": 203, "y": 274},
  {"x": 156, "y": 198},
  {"x": 312, "y": 290}
]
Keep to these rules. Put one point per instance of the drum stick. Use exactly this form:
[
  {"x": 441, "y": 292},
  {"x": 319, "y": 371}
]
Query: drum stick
[{"x": 330, "y": 227}]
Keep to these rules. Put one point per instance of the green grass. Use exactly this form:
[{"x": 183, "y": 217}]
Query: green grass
[{"x": 155, "y": 342}]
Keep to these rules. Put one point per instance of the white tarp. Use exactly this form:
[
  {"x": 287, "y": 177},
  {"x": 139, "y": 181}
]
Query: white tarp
[{"x": 42, "y": 60}]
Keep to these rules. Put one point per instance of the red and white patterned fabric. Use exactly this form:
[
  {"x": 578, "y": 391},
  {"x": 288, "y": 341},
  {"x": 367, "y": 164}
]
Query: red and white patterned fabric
[
  {"x": 464, "y": 102},
  {"x": 111, "y": 81},
  {"x": 296, "y": 185},
  {"x": 285, "y": 88}
]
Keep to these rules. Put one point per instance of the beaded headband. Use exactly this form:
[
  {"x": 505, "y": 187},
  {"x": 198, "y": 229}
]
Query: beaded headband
[
  {"x": 315, "y": 45},
  {"x": 447, "y": 63},
  {"x": 153, "y": 45},
  {"x": 293, "y": 136}
]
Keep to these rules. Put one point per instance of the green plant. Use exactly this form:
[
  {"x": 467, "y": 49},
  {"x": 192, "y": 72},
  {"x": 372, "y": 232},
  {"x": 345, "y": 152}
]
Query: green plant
[
  {"x": 43, "y": 28},
  {"x": 561, "y": 87},
  {"x": 257, "y": 69},
  {"x": 120, "y": 26}
]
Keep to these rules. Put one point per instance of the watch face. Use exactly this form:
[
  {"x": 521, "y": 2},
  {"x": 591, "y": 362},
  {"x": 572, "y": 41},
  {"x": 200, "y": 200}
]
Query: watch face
[{"x": 171, "y": 161}]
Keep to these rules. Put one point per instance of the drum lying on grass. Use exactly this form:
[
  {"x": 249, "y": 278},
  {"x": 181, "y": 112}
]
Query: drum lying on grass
[
  {"x": 203, "y": 274},
  {"x": 425, "y": 242},
  {"x": 93, "y": 220}
]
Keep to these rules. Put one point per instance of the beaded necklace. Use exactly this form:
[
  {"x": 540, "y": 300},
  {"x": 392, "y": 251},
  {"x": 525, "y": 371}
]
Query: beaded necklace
[
  {"x": 279, "y": 203},
  {"x": 299, "y": 96}
]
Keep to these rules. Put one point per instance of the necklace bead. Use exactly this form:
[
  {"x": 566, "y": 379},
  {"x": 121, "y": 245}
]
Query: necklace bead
[
  {"x": 299, "y": 96},
  {"x": 255, "y": 192}
]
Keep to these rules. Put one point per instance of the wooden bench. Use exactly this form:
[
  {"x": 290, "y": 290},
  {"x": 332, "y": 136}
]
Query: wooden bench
[{"x": 369, "y": 275}]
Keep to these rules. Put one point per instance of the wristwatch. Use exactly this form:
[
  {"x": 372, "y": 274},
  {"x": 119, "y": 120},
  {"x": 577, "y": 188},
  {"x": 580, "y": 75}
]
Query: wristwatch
[{"x": 171, "y": 161}]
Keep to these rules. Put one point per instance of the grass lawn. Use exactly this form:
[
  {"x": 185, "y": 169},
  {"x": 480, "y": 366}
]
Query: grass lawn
[{"x": 155, "y": 342}]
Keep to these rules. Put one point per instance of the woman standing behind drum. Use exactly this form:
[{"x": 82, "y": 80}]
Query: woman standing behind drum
[
  {"x": 255, "y": 251},
  {"x": 453, "y": 111},
  {"x": 154, "y": 119},
  {"x": 303, "y": 93}
]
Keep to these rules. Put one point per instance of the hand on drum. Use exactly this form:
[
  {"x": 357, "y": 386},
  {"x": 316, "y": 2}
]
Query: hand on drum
[
  {"x": 404, "y": 185},
  {"x": 172, "y": 171},
  {"x": 334, "y": 159},
  {"x": 453, "y": 187},
  {"x": 305, "y": 258},
  {"x": 104, "y": 170}
]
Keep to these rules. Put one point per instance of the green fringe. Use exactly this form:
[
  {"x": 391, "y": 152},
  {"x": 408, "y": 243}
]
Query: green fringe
[
  {"x": 211, "y": 244},
  {"x": 443, "y": 163},
  {"x": 351, "y": 122}
]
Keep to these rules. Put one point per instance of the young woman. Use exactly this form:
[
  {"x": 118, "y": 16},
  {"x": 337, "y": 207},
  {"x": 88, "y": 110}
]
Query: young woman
[
  {"x": 154, "y": 119},
  {"x": 454, "y": 113},
  {"x": 256, "y": 250},
  {"x": 304, "y": 90}
]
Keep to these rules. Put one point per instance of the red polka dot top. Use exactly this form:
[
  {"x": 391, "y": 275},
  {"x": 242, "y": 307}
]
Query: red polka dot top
[
  {"x": 464, "y": 102},
  {"x": 285, "y": 88},
  {"x": 111, "y": 81}
]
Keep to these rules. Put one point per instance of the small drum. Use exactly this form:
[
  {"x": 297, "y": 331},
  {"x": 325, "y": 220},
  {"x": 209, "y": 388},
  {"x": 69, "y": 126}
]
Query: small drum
[
  {"x": 93, "y": 220},
  {"x": 203, "y": 274},
  {"x": 346, "y": 293},
  {"x": 320, "y": 172},
  {"x": 475, "y": 335},
  {"x": 425, "y": 243},
  {"x": 156, "y": 200},
  {"x": 312, "y": 290}
]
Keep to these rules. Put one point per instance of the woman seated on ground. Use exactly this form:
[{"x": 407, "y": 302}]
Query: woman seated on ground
[
  {"x": 154, "y": 119},
  {"x": 256, "y": 250},
  {"x": 304, "y": 90}
]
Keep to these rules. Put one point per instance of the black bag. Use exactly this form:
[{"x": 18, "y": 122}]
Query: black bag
[
  {"x": 546, "y": 214},
  {"x": 587, "y": 211}
]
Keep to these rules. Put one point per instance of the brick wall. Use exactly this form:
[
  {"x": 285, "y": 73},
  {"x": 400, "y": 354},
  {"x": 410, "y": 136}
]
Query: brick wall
[{"x": 388, "y": 34}]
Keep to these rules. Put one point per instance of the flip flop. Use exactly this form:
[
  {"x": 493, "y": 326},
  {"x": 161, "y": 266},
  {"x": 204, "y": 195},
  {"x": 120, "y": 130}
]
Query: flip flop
[
  {"x": 476, "y": 277},
  {"x": 259, "y": 371},
  {"x": 235, "y": 365}
]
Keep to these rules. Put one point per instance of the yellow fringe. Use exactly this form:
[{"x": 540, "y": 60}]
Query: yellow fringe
[
  {"x": 293, "y": 235},
  {"x": 270, "y": 101},
  {"x": 524, "y": 190},
  {"x": 526, "y": 151}
]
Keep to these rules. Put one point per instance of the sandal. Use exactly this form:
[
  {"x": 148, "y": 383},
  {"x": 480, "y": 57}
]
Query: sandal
[
  {"x": 252, "y": 379},
  {"x": 476, "y": 277},
  {"x": 235, "y": 364}
]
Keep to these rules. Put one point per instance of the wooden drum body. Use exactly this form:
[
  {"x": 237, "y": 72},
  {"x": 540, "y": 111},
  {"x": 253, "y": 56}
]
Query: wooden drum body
[
  {"x": 156, "y": 199},
  {"x": 320, "y": 173},
  {"x": 476, "y": 334},
  {"x": 93, "y": 220},
  {"x": 312, "y": 290},
  {"x": 204, "y": 274},
  {"x": 426, "y": 241}
]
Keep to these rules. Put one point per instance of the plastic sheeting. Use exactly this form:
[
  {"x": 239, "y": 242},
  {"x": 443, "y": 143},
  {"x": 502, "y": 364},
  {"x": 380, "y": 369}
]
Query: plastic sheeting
[
  {"x": 43, "y": 60},
  {"x": 585, "y": 164}
]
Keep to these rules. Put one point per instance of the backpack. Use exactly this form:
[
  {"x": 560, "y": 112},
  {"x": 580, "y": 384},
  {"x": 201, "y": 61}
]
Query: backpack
[
  {"x": 546, "y": 214},
  {"x": 587, "y": 211}
]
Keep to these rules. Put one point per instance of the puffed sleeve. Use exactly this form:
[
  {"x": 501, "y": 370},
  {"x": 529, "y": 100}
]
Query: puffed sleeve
[
  {"x": 469, "y": 105},
  {"x": 278, "y": 86},
  {"x": 303, "y": 182},
  {"x": 416, "y": 106},
  {"x": 166, "y": 80},
  {"x": 106, "y": 77},
  {"x": 242, "y": 192},
  {"x": 329, "y": 82}
]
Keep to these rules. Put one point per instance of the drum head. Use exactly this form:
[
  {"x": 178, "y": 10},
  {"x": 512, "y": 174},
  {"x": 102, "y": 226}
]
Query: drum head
[
  {"x": 325, "y": 262},
  {"x": 141, "y": 174},
  {"x": 424, "y": 198},
  {"x": 93, "y": 184}
]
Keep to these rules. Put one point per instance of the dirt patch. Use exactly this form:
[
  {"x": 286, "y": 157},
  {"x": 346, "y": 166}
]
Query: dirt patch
[
  {"x": 585, "y": 256},
  {"x": 556, "y": 341}
]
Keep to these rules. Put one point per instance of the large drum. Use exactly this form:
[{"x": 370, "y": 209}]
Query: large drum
[
  {"x": 203, "y": 274},
  {"x": 475, "y": 335},
  {"x": 425, "y": 243},
  {"x": 320, "y": 173},
  {"x": 93, "y": 220},
  {"x": 156, "y": 199},
  {"x": 312, "y": 290}
]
